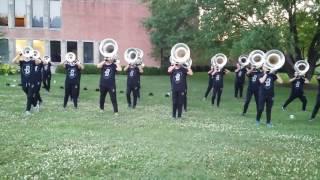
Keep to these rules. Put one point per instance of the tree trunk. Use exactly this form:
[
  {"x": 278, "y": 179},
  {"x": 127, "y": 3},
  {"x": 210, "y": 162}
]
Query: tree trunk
[
  {"x": 313, "y": 52},
  {"x": 288, "y": 65}
]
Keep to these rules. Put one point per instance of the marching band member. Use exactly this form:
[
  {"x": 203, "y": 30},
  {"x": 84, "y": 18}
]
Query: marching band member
[
  {"x": 240, "y": 73},
  {"x": 317, "y": 105},
  {"x": 108, "y": 83},
  {"x": 266, "y": 94},
  {"x": 72, "y": 81},
  {"x": 178, "y": 85},
  {"x": 210, "y": 81},
  {"x": 46, "y": 73},
  {"x": 38, "y": 79},
  {"x": 297, "y": 84},
  {"x": 253, "y": 88},
  {"x": 133, "y": 76},
  {"x": 218, "y": 83},
  {"x": 27, "y": 65}
]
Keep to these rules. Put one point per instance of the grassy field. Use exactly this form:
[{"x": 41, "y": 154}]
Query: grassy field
[{"x": 146, "y": 143}]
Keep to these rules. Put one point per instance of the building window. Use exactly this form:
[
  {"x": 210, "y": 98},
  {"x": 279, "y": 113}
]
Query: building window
[
  {"x": 40, "y": 46},
  {"x": 55, "y": 51},
  {"x": 20, "y": 45},
  {"x": 88, "y": 52},
  {"x": 20, "y": 12},
  {"x": 72, "y": 47},
  {"x": 55, "y": 18},
  {"x": 4, "y": 51},
  {"x": 37, "y": 13},
  {"x": 4, "y": 13}
]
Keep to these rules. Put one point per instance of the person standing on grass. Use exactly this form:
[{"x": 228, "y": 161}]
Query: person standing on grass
[
  {"x": 46, "y": 74},
  {"x": 72, "y": 82},
  {"x": 297, "y": 84},
  {"x": 133, "y": 76},
  {"x": 178, "y": 75},
  {"x": 210, "y": 81},
  {"x": 108, "y": 83},
  {"x": 240, "y": 73},
  {"x": 253, "y": 88},
  {"x": 217, "y": 84},
  {"x": 27, "y": 65},
  {"x": 317, "y": 105},
  {"x": 38, "y": 79},
  {"x": 266, "y": 94}
]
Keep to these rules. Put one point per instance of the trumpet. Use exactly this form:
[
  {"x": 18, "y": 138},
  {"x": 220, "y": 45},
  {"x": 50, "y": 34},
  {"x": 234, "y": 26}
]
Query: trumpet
[
  {"x": 256, "y": 58},
  {"x": 180, "y": 54},
  {"x": 243, "y": 60},
  {"x": 274, "y": 60},
  {"x": 71, "y": 58},
  {"x": 219, "y": 60},
  {"x": 301, "y": 67},
  {"x": 109, "y": 49}
]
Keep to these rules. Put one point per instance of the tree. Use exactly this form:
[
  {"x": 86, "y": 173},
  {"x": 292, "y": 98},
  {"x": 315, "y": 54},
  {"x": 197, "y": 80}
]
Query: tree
[
  {"x": 235, "y": 27},
  {"x": 292, "y": 26},
  {"x": 171, "y": 22}
]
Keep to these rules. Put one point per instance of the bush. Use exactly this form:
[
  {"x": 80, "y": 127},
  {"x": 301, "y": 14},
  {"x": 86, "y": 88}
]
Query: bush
[{"x": 7, "y": 69}]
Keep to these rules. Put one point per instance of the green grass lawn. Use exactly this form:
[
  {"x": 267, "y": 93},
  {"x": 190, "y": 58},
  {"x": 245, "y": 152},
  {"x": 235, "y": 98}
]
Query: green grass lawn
[{"x": 146, "y": 143}]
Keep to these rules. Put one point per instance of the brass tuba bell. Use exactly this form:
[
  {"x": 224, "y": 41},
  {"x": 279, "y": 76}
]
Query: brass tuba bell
[
  {"x": 274, "y": 60},
  {"x": 256, "y": 58},
  {"x": 109, "y": 48},
  {"x": 301, "y": 67}
]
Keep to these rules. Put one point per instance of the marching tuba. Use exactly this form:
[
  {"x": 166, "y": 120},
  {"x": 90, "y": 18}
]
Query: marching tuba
[
  {"x": 274, "y": 60},
  {"x": 46, "y": 59},
  {"x": 301, "y": 67},
  {"x": 35, "y": 54},
  {"x": 140, "y": 57},
  {"x": 256, "y": 58},
  {"x": 27, "y": 52},
  {"x": 243, "y": 60},
  {"x": 219, "y": 60},
  {"x": 180, "y": 54},
  {"x": 109, "y": 49},
  {"x": 131, "y": 56},
  {"x": 71, "y": 58}
]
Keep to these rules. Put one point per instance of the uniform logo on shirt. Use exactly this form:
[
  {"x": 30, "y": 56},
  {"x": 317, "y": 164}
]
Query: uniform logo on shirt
[
  {"x": 131, "y": 74},
  {"x": 254, "y": 78},
  {"x": 268, "y": 83},
  {"x": 298, "y": 84},
  {"x": 240, "y": 73},
  {"x": 45, "y": 67},
  {"x": 217, "y": 77},
  {"x": 26, "y": 70},
  {"x": 72, "y": 73},
  {"x": 36, "y": 68},
  {"x": 107, "y": 73},
  {"x": 177, "y": 77}
]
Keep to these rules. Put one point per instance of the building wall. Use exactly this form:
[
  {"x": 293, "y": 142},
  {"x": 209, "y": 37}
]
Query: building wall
[{"x": 92, "y": 21}]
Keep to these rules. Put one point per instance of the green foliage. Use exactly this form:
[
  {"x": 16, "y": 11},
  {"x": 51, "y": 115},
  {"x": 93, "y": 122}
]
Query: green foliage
[
  {"x": 171, "y": 22},
  {"x": 235, "y": 27},
  {"x": 8, "y": 69}
]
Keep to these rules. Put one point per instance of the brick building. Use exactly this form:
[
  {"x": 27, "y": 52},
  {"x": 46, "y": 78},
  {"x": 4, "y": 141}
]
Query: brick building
[{"x": 55, "y": 27}]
